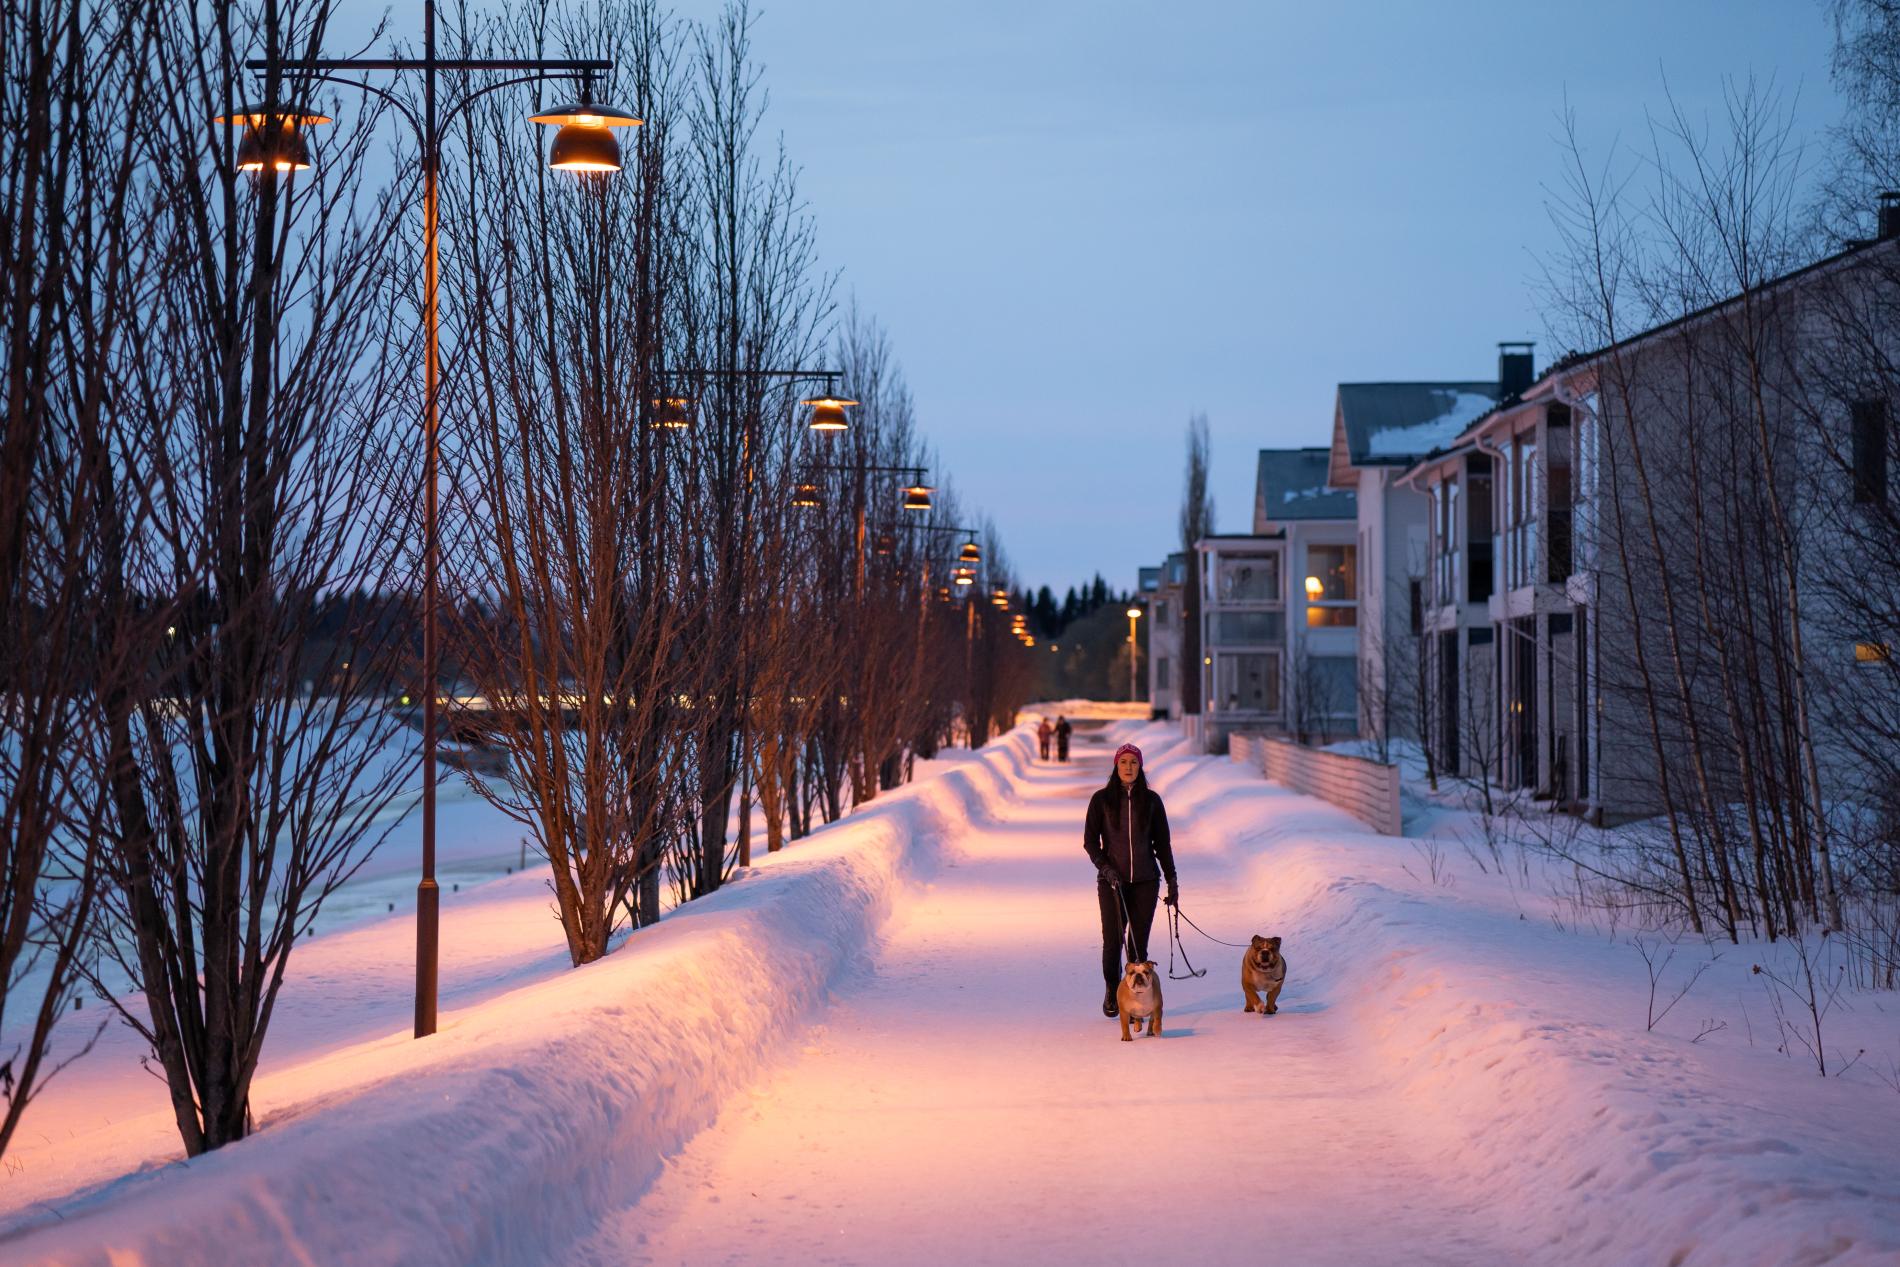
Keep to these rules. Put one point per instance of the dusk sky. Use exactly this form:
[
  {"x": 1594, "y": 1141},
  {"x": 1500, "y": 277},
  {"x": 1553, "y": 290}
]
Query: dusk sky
[{"x": 1081, "y": 222}]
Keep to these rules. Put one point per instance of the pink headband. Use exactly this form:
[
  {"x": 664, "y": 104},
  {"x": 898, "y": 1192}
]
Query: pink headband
[{"x": 1128, "y": 747}]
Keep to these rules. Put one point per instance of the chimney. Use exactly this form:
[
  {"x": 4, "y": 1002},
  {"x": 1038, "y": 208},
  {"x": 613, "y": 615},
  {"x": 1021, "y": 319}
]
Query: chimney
[
  {"x": 1889, "y": 215},
  {"x": 1515, "y": 365}
]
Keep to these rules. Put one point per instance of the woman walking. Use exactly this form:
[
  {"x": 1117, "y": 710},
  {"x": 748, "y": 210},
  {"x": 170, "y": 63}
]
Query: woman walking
[{"x": 1126, "y": 836}]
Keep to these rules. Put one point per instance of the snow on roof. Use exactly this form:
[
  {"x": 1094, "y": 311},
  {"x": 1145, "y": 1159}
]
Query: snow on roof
[
  {"x": 1461, "y": 410},
  {"x": 1291, "y": 484},
  {"x": 1394, "y": 423}
]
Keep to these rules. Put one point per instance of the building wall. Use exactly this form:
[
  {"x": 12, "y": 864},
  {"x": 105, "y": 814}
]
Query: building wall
[
  {"x": 1393, "y": 555},
  {"x": 1321, "y": 654},
  {"x": 1164, "y": 651}
]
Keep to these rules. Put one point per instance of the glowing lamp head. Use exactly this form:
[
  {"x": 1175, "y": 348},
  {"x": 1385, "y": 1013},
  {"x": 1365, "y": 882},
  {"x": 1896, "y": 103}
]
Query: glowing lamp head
[
  {"x": 827, "y": 413},
  {"x": 970, "y": 553},
  {"x": 1134, "y": 613},
  {"x": 807, "y": 495},
  {"x": 965, "y": 576},
  {"x": 585, "y": 140},
  {"x": 674, "y": 413},
  {"x": 917, "y": 497},
  {"x": 273, "y": 140}
]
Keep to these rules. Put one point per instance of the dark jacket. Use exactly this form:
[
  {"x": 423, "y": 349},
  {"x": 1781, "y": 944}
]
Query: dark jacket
[{"x": 1106, "y": 831}]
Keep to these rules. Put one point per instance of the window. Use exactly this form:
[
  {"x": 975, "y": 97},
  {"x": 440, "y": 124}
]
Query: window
[
  {"x": 1869, "y": 419},
  {"x": 1478, "y": 529},
  {"x": 1161, "y": 611},
  {"x": 1481, "y": 636},
  {"x": 1418, "y": 608},
  {"x": 1872, "y": 652},
  {"x": 1520, "y": 512},
  {"x": 1444, "y": 517},
  {"x": 1584, "y": 489},
  {"x": 1248, "y": 683},
  {"x": 1331, "y": 583},
  {"x": 1558, "y": 523},
  {"x": 1248, "y": 578},
  {"x": 1161, "y": 673},
  {"x": 1240, "y": 628}
]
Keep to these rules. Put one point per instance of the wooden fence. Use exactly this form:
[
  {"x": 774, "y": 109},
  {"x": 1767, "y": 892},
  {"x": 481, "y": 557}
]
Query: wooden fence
[{"x": 1366, "y": 789}]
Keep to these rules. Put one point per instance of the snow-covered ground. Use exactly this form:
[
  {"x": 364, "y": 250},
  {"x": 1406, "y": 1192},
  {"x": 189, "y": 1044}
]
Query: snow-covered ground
[{"x": 885, "y": 1046}]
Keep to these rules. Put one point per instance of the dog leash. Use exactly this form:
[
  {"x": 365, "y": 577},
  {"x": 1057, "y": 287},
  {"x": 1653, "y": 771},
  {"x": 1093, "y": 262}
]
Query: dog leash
[
  {"x": 1203, "y": 932},
  {"x": 1128, "y": 928},
  {"x": 1174, "y": 939},
  {"x": 1175, "y": 916}
]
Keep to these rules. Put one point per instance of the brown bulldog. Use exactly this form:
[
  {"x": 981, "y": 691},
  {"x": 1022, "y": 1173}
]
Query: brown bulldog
[
  {"x": 1139, "y": 995},
  {"x": 1262, "y": 969}
]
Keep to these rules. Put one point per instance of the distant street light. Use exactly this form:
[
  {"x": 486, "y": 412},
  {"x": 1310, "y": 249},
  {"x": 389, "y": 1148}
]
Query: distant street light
[{"x": 1134, "y": 614}]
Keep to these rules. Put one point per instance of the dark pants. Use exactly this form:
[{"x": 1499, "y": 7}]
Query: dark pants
[
  {"x": 1042, "y": 741},
  {"x": 1062, "y": 747},
  {"x": 1140, "y": 900}
]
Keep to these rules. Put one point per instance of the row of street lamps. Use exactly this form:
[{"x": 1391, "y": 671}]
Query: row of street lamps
[{"x": 273, "y": 142}]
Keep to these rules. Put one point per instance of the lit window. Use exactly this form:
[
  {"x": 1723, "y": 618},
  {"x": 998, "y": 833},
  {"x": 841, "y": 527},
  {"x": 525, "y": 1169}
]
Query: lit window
[
  {"x": 1331, "y": 586},
  {"x": 1872, "y": 652}
]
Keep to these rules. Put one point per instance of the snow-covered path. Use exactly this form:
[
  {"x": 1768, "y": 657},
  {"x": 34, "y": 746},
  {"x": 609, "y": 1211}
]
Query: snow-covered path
[{"x": 963, "y": 1099}]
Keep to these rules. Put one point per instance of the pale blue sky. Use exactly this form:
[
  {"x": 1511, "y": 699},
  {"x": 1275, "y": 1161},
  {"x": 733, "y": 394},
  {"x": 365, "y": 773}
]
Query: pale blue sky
[{"x": 1082, "y": 220}]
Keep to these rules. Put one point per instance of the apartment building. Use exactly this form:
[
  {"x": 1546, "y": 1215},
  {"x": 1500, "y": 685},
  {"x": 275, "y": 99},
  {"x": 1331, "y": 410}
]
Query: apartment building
[{"x": 1624, "y": 556}]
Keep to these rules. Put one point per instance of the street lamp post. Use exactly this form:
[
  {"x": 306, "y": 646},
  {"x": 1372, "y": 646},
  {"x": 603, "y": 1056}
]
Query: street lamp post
[
  {"x": 1134, "y": 614},
  {"x": 916, "y": 496},
  {"x": 584, "y": 143}
]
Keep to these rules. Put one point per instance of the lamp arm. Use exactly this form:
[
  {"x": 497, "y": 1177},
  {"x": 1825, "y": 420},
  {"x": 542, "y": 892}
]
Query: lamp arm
[
  {"x": 402, "y": 107},
  {"x": 448, "y": 116}
]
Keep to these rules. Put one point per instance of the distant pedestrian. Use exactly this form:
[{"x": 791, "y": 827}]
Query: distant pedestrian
[
  {"x": 1126, "y": 836},
  {"x": 1062, "y": 738},
  {"x": 1045, "y": 731}
]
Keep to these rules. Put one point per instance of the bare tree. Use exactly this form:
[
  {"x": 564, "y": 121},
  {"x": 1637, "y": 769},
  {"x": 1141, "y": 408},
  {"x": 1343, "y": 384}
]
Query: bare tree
[
  {"x": 70, "y": 71},
  {"x": 1197, "y": 521},
  {"x": 259, "y": 471},
  {"x": 567, "y": 573},
  {"x": 755, "y": 301}
]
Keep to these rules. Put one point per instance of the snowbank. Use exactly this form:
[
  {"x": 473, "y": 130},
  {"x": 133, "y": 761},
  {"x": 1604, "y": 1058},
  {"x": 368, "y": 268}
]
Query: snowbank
[
  {"x": 534, "y": 1110},
  {"x": 1521, "y": 1054}
]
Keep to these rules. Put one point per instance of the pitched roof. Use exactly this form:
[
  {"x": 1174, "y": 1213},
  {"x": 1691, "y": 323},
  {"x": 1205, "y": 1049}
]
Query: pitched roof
[
  {"x": 1394, "y": 424},
  {"x": 1291, "y": 484}
]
